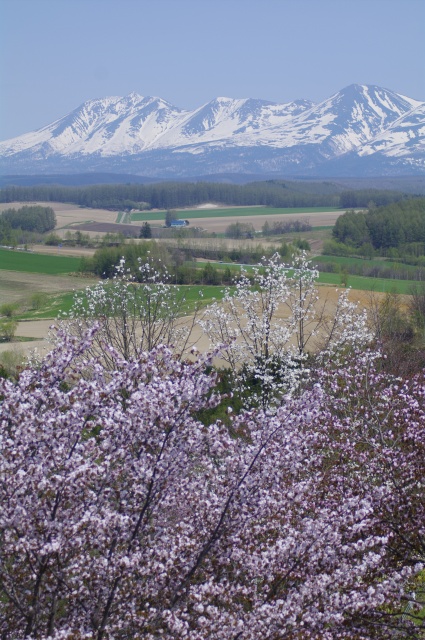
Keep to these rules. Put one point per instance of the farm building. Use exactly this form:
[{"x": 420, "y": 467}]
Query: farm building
[{"x": 179, "y": 223}]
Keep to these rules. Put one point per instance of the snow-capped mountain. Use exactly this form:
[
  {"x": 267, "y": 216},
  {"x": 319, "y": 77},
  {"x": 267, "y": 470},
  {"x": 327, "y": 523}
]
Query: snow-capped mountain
[
  {"x": 404, "y": 137},
  {"x": 146, "y": 135}
]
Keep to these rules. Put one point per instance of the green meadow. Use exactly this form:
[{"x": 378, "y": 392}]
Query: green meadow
[
  {"x": 57, "y": 304},
  {"x": 54, "y": 306},
  {"x": 362, "y": 283},
  {"x": 350, "y": 261},
  {"x": 37, "y": 262}
]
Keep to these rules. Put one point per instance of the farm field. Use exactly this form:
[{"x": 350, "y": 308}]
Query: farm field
[
  {"x": 24, "y": 274},
  {"x": 47, "y": 271},
  {"x": 363, "y": 284},
  {"x": 374, "y": 262},
  {"x": 37, "y": 263},
  {"x": 17, "y": 287},
  {"x": 217, "y": 220},
  {"x": 75, "y": 252},
  {"x": 219, "y": 212},
  {"x": 68, "y": 215}
]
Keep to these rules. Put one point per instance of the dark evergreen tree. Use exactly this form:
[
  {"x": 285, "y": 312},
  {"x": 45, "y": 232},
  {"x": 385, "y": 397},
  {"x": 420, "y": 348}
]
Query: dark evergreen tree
[
  {"x": 145, "y": 231},
  {"x": 170, "y": 216}
]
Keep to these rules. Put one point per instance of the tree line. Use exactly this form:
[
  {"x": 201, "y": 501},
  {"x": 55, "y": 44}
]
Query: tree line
[
  {"x": 366, "y": 197},
  {"x": 179, "y": 260},
  {"x": 172, "y": 195},
  {"x": 282, "y": 227},
  {"x": 373, "y": 268}
]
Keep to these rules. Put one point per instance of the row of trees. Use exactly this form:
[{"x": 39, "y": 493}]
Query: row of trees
[
  {"x": 362, "y": 198},
  {"x": 369, "y": 268},
  {"x": 177, "y": 194},
  {"x": 174, "y": 257},
  {"x": 172, "y": 195},
  {"x": 124, "y": 515},
  {"x": 285, "y": 226}
]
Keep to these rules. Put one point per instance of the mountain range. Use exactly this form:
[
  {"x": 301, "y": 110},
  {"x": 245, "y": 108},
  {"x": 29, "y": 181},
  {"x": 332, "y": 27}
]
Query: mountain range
[{"x": 363, "y": 130}]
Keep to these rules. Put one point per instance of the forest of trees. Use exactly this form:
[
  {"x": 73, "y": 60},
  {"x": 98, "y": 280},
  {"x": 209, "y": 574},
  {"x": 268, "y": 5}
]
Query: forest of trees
[
  {"x": 395, "y": 226},
  {"x": 33, "y": 219},
  {"x": 272, "y": 193},
  {"x": 30, "y": 218}
]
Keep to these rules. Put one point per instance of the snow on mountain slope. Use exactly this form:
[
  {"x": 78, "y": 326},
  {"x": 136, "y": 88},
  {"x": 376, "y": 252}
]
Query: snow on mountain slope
[
  {"x": 108, "y": 126},
  {"x": 340, "y": 124},
  {"x": 352, "y": 117},
  {"x": 246, "y": 122},
  {"x": 361, "y": 120},
  {"x": 405, "y": 136}
]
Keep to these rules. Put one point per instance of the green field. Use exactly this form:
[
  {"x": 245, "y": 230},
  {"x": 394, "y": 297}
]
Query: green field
[
  {"x": 374, "y": 262},
  {"x": 37, "y": 262},
  {"x": 61, "y": 302},
  {"x": 333, "y": 279},
  {"x": 226, "y": 213},
  {"x": 206, "y": 294},
  {"x": 57, "y": 304},
  {"x": 361, "y": 283}
]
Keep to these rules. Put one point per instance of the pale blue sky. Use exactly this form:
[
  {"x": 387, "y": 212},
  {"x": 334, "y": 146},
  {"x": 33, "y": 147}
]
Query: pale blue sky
[{"x": 56, "y": 54}]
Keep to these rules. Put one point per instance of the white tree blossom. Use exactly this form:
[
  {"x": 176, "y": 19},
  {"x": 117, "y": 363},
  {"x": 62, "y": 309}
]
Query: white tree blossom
[
  {"x": 135, "y": 313},
  {"x": 268, "y": 325}
]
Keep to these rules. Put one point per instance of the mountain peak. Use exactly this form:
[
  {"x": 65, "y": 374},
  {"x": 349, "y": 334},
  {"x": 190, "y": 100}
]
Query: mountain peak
[{"x": 146, "y": 133}]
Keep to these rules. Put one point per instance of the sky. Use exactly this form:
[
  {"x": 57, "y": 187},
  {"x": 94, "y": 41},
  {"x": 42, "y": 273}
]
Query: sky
[{"x": 56, "y": 54}]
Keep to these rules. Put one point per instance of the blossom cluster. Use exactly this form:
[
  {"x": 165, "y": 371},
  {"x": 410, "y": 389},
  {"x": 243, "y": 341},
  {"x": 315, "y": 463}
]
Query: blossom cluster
[
  {"x": 123, "y": 516},
  {"x": 136, "y": 311},
  {"x": 272, "y": 322}
]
